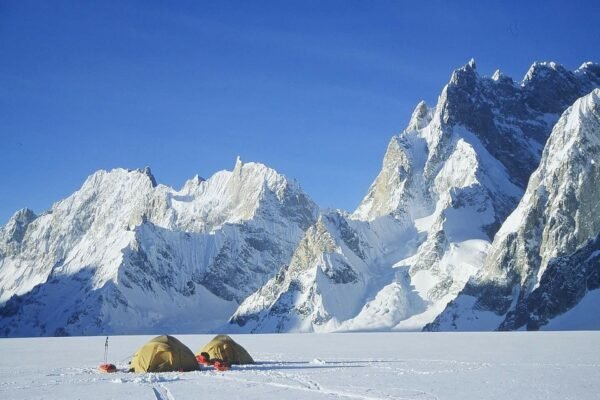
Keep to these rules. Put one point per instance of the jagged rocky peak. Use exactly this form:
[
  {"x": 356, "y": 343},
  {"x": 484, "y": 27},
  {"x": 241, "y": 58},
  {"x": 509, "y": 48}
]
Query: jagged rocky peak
[
  {"x": 132, "y": 191},
  {"x": 23, "y": 217},
  {"x": 305, "y": 294},
  {"x": 551, "y": 88},
  {"x": 514, "y": 121},
  {"x": 510, "y": 122},
  {"x": 15, "y": 229},
  {"x": 466, "y": 75},
  {"x": 385, "y": 196},
  {"x": 238, "y": 162},
  {"x": 120, "y": 178},
  {"x": 258, "y": 173},
  {"x": 542, "y": 261},
  {"x": 542, "y": 69},
  {"x": 500, "y": 77},
  {"x": 421, "y": 116},
  {"x": 589, "y": 68},
  {"x": 146, "y": 171},
  {"x": 564, "y": 188},
  {"x": 253, "y": 187},
  {"x": 192, "y": 184},
  {"x": 497, "y": 75},
  {"x": 197, "y": 179},
  {"x": 545, "y": 71}
]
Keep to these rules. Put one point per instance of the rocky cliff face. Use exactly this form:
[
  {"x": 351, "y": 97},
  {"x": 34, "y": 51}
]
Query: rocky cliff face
[
  {"x": 448, "y": 181},
  {"x": 334, "y": 271},
  {"x": 545, "y": 258},
  {"x": 124, "y": 255}
]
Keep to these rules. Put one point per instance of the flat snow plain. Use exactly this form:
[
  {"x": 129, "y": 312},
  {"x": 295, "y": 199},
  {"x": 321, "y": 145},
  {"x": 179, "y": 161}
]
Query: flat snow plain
[{"x": 521, "y": 365}]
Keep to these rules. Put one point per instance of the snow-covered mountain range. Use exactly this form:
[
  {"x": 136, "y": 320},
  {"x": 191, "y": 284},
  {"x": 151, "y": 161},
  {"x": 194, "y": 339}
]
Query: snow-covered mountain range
[
  {"x": 426, "y": 225},
  {"x": 124, "y": 254},
  {"x": 431, "y": 244}
]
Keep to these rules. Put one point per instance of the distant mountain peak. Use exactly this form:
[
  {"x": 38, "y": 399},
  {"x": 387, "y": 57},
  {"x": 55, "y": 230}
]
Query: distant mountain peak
[
  {"x": 421, "y": 116},
  {"x": 14, "y": 230},
  {"x": 465, "y": 75},
  {"x": 24, "y": 215},
  {"x": 238, "y": 163},
  {"x": 146, "y": 171}
]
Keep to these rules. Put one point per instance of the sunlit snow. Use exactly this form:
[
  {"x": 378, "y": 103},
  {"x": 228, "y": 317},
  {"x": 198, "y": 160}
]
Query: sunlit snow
[{"x": 524, "y": 365}]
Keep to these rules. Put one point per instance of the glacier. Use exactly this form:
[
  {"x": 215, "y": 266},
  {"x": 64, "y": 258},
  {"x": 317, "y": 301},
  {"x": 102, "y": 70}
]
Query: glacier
[{"x": 376, "y": 366}]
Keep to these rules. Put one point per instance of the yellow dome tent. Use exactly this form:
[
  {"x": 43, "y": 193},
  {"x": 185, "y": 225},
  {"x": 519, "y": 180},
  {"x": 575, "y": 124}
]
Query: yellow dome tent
[
  {"x": 225, "y": 348},
  {"x": 162, "y": 354}
]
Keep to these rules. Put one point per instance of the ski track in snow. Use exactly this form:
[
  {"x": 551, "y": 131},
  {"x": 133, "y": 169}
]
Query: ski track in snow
[
  {"x": 304, "y": 383},
  {"x": 162, "y": 392}
]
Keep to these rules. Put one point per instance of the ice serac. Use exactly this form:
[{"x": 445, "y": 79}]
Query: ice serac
[
  {"x": 448, "y": 181},
  {"x": 124, "y": 254},
  {"x": 546, "y": 257}
]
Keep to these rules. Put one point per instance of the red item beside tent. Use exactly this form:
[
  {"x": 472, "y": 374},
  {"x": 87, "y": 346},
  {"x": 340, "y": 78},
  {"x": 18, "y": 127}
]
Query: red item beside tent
[
  {"x": 107, "y": 368},
  {"x": 221, "y": 365},
  {"x": 202, "y": 360}
]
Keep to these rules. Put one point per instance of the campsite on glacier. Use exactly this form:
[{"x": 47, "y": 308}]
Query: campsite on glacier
[{"x": 375, "y": 366}]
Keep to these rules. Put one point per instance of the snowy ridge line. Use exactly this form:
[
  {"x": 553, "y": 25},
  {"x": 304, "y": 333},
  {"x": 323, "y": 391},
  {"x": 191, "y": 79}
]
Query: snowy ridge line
[
  {"x": 137, "y": 257},
  {"x": 426, "y": 225}
]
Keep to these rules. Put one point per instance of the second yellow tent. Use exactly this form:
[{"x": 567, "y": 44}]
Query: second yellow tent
[{"x": 225, "y": 348}]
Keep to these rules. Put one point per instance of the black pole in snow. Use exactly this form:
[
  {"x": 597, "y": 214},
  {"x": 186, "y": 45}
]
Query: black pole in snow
[{"x": 106, "y": 351}]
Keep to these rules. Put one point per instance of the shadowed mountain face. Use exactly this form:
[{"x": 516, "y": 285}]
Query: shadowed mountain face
[
  {"x": 563, "y": 285},
  {"x": 513, "y": 121},
  {"x": 544, "y": 259}
]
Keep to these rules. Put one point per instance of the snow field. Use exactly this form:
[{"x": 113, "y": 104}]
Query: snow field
[{"x": 526, "y": 365}]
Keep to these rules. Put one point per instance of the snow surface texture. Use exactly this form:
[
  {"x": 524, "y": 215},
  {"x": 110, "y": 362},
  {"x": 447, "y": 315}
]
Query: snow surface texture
[
  {"x": 546, "y": 256},
  {"x": 127, "y": 255},
  {"x": 373, "y": 366},
  {"x": 447, "y": 183},
  {"x": 124, "y": 254}
]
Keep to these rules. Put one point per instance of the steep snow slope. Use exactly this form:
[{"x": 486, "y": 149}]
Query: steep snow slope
[
  {"x": 124, "y": 254},
  {"x": 546, "y": 257},
  {"x": 448, "y": 181}
]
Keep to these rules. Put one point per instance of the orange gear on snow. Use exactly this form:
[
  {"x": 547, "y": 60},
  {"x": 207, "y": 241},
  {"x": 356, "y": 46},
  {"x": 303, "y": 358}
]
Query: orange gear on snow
[
  {"x": 202, "y": 359},
  {"x": 221, "y": 365},
  {"x": 107, "y": 368}
]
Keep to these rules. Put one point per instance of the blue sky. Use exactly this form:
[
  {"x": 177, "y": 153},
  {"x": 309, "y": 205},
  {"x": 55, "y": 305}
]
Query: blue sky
[{"x": 314, "y": 89}]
